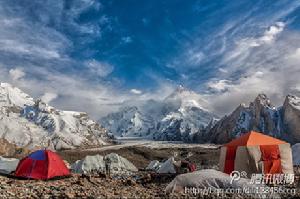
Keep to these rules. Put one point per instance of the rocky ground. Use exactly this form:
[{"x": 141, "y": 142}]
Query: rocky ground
[{"x": 78, "y": 186}]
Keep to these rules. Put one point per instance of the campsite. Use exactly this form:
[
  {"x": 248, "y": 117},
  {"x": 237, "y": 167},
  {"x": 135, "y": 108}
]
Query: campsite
[
  {"x": 122, "y": 185},
  {"x": 141, "y": 171},
  {"x": 145, "y": 99}
]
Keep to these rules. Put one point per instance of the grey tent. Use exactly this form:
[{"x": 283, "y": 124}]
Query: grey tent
[
  {"x": 8, "y": 165},
  {"x": 88, "y": 164},
  {"x": 118, "y": 164}
]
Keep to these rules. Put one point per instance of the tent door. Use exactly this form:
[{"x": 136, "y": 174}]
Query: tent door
[
  {"x": 270, "y": 156},
  {"x": 230, "y": 158}
]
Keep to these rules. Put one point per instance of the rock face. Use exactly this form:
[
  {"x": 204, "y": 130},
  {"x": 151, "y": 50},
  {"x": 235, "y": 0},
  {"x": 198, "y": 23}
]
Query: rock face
[
  {"x": 178, "y": 117},
  {"x": 291, "y": 117},
  {"x": 296, "y": 154},
  {"x": 30, "y": 123},
  {"x": 282, "y": 122},
  {"x": 8, "y": 149}
]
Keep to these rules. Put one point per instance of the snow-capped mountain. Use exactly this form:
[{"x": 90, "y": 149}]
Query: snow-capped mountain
[
  {"x": 32, "y": 123},
  {"x": 178, "y": 117},
  {"x": 281, "y": 122},
  {"x": 129, "y": 122}
]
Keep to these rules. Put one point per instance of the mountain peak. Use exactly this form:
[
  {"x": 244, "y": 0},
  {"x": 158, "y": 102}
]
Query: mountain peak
[
  {"x": 13, "y": 96},
  {"x": 182, "y": 92},
  {"x": 180, "y": 88},
  {"x": 293, "y": 100},
  {"x": 262, "y": 99},
  {"x": 178, "y": 117},
  {"x": 3, "y": 84}
]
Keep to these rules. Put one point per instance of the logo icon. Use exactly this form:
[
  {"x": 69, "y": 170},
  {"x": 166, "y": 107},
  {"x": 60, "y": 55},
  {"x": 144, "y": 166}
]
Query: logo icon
[{"x": 236, "y": 175}]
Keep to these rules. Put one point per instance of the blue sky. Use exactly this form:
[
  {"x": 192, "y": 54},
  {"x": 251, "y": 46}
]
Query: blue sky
[{"x": 92, "y": 55}]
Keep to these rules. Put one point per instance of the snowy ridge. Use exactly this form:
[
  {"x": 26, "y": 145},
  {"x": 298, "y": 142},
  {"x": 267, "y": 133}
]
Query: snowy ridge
[
  {"x": 178, "y": 117},
  {"x": 32, "y": 123},
  {"x": 12, "y": 96},
  {"x": 128, "y": 122}
]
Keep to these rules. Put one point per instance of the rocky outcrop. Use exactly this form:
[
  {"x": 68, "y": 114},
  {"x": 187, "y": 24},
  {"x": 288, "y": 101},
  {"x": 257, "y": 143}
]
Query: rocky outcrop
[
  {"x": 223, "y": 130},
  {"x": 260, "y": 116},
  {"x": 11, "y": 150}
]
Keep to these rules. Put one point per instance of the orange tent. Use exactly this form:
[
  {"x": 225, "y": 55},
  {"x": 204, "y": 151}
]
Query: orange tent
[{"x": 256, "y": 153}]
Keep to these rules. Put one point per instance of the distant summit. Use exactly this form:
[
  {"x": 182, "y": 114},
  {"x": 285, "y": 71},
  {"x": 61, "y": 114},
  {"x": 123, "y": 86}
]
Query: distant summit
[{"x": 177, "y": 117}]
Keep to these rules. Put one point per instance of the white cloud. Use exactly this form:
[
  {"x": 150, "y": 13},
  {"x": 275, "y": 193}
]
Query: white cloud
[
  {"x": 126, "y": 40},
  {"x": 243, "y": 47},
  {"x": 101, "y": 69},
  {"x": 222, "y": 70},
  {"x": 16, "y": 74},
  {"x": 268, "y": 37},
  {"x": 31, "y": 39},
  {"x": 24, "y": 39},
  {"x": 195, "y": 58},
  {"x": 295, "y": 56},
  {"x": 271, "y": 34},
  {"x": 136, "y": 91},
  {"x": 48, "y": 97},
  {"x": 77, "y": 93},
  {"x": 272, "y": 69},
  {"x": 245, "y": 89},
  {"x": 219, "y": 85}
]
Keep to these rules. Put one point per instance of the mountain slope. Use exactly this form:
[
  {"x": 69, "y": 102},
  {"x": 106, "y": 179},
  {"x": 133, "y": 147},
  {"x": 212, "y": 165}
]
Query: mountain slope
[
  {"x": 32, "y": 123},
  {"x": 281, "y": 122},
  {"x": 177, "y": 117},
  {"x": 128, "y": 122}
]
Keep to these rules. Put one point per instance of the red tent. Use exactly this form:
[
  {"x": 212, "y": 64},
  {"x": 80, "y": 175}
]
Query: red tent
[
  {"x": 43, "y": 165},
  {"x": 255, "y": 152}
]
